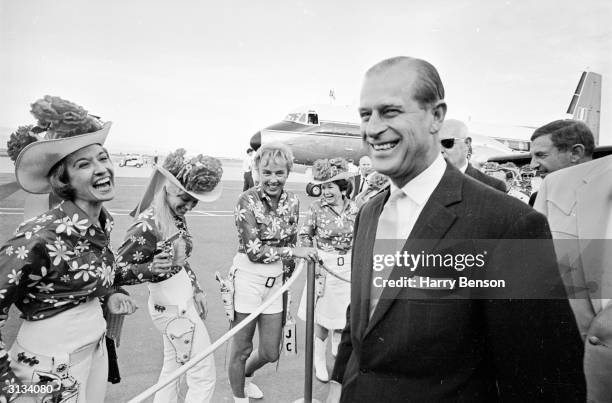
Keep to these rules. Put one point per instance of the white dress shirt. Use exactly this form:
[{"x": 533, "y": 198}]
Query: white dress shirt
[{"x": 419, "y": 191}]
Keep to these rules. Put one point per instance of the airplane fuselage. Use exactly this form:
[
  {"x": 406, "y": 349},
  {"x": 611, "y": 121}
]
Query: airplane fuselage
[{"x": 312, "y": 142}]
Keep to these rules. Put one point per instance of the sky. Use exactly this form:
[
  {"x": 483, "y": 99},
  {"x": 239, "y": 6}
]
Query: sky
[{"x": 207, "y": 75}]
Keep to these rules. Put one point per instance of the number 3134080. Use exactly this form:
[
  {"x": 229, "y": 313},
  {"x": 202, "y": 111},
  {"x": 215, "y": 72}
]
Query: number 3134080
[{"x": 29, "y": 389}]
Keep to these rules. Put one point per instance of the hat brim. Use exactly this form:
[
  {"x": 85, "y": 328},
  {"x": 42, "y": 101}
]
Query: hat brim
[
  {"x": 340, "y": 176},
  {"x": 205, "y": 197},
  {"x": 36, "y": 159}
]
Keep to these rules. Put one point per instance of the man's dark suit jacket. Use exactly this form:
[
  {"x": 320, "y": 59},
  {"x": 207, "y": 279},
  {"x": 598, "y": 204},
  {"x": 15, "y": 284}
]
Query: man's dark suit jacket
[
  {"x": 486, "y": 179},
  {"x": 453, "y": 350},
  {"x": 356, "y": 185}
]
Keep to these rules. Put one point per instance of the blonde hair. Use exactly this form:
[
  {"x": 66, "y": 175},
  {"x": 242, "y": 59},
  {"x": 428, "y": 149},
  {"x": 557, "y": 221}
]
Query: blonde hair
[
  {"x": 277, "y": 152},
  {"x": 163, "y": 215}
]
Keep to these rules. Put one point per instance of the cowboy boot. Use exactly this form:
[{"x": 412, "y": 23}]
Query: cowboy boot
[{"x": 320, "y": 360}]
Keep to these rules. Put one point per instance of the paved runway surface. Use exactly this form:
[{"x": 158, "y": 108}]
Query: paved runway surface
[{"x": 212, "y": 225}]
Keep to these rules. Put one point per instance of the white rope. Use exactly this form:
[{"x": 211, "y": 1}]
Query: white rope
[
  {"x": 339, "y": 277},
  {"x": 211, "y": 349}
]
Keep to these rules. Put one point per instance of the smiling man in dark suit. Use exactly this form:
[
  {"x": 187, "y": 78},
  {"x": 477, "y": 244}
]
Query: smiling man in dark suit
[
  {"x": 455, "y": 142},
  {"x": 403, "y": 344}
]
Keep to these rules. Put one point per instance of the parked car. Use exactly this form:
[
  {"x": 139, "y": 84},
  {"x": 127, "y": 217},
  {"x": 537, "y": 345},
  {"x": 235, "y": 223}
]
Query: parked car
[{"x": 131, "y": 161}]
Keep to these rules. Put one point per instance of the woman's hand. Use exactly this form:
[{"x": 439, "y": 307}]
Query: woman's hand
[
  {"x": 309, "y": 254},
  {"x": 180, "y": 252},
  {"x": 199, "y": 299},
  {"x": 121, "y": 304},
  {"x": 162, "y": 263}
]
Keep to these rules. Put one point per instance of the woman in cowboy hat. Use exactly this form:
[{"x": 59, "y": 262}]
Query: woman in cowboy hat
[
  {"x": 159, "y": 237},
  {"x": 266, "y": 216},
  {"x": 329, "y": 228},
  {"x": 59, "y": 263}
]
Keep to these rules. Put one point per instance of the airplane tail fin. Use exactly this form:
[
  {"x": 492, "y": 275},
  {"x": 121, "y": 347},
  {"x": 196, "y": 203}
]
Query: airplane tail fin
[{"x": 586, "y": 102}]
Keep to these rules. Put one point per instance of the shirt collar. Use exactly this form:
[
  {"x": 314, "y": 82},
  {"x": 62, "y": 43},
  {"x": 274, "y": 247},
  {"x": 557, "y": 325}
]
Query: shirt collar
[
  {"x": 264, "y": 196},
  {"x": 422, "y": 186},
  {"x": 70, "y": 210},
  {"x": 463, "y": 168}
]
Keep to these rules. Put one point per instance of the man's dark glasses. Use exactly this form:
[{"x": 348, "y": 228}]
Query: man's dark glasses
[{"x": 448, "y": 143}]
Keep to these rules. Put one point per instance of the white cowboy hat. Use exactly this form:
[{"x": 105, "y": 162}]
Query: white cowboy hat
[
  {"x": 36, "y": 159},
  {"x": 162, "y": 175}
]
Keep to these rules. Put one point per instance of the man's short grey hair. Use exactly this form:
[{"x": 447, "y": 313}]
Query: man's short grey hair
[
  {"x": 453, "y": 128},
  {"x": 365, "y": 158},
  {"x": 428, "y": 89}
]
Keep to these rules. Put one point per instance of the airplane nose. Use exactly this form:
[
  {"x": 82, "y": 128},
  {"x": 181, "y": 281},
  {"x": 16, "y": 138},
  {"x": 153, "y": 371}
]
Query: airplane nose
[{"x": 256, "y": 141}]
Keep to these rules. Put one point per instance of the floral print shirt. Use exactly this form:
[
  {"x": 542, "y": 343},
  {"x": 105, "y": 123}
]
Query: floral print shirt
[
  {"x": 266, "y": 234},
  {"x": 54, "y": 262},
  {"x": 326, "y": 229},
  {"x": 143, "y": 239}
]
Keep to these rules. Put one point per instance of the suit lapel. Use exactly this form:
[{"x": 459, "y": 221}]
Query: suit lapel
[
  {"x": 370, "y": 225},
  {"x": 433, "y": 223}
]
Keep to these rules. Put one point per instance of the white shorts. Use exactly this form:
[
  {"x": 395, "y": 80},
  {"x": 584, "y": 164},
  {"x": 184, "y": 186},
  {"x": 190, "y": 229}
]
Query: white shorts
[{"x": 250, "y": 292}]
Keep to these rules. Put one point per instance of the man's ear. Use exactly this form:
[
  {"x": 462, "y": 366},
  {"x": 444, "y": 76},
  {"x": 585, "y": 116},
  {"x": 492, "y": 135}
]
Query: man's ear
[
  {"x": 439, "y": 112},
  {"x": 577, "y": 153}
]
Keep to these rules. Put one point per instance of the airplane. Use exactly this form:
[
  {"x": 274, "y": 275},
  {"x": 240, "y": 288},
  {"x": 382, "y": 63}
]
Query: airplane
[{"x": 312, "y": 133}]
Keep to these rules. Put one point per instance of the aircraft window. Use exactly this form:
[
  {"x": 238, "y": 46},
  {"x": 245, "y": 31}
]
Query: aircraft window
[
  {"x": 313, "y": 118},
  {"x": 302, "y": 118}
]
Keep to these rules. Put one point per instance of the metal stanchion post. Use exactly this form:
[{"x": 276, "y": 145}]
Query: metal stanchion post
[{"x": 310, "y": 299}]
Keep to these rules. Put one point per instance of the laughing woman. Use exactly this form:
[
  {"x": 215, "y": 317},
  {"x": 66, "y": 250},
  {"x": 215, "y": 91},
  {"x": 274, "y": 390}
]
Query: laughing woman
[
  {"x": 267, "y": 217},
  {"x": 329, "y": 228},
  {"x": 58, "y": 264},
  {"x": 159, "y": 238}
]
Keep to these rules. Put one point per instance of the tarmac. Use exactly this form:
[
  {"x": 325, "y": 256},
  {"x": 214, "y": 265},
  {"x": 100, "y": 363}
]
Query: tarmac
[{"x": 215, "y": 243}]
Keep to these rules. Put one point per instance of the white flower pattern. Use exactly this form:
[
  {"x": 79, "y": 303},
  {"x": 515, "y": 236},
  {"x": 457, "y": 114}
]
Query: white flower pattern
[
  {"x": 22, "y": 252},
  {"x": 264, "y": 232},
  {"x": 328, "y": 229},
  {"x": 54, "y": 262}
]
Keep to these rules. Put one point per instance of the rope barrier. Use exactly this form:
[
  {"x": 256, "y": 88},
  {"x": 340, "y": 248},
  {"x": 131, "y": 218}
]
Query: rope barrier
[
  {"x": 211, "y": 349},
  {"x": 322, "y": 265}
]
